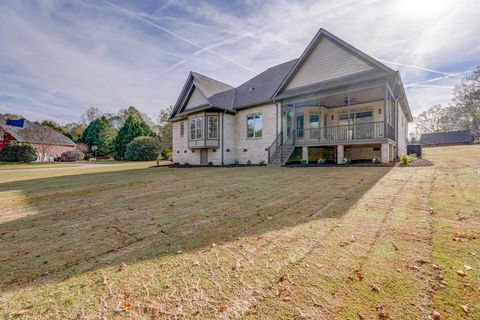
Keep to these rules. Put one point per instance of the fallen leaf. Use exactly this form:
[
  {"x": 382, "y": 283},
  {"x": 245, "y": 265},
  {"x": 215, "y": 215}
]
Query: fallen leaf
[
  {"x": 281, "y": 278},
  {"x": 375, "y": 288},
  {"x": 45, "y": 274},
  {"x": 223, "y": 307},
  {"x": 196, "y": 263},
  {"x": 381, "y": 313},
  {"x": 467, "y": 267},
  {"x": 416, "y": 268},
  {"x": 359, "y": 275},
  {"x": 122, "y": 266},
  {"x": 461, "y": 273},
  {"x": 435, "y": 315},
  {"x": 464, "y": 308},
  {"x": 127, "y": 306},
  {"x": 281, "y": 291},
  {"x": 436, "y": 266}
]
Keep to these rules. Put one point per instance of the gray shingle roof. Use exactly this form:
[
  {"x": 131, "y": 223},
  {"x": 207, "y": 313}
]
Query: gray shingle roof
[
  {"x": 262, "y": 87},
  {"x": 27, "y": 133},
  {"x": 209, "y": 86}
]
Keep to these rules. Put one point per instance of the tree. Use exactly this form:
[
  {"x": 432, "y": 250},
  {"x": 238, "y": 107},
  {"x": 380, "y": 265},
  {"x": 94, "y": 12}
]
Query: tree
[
  {"x": 434, "y": 119},
  {"x": 75, "y": 130},
  {"x": 100, "y": 133},
  {"x": 143, "y": 149},
  {"x": 91, "y": 114},
  {"x": 164, "y": 127},
  {"x": 119, "y": 119},
  {"x": 467, "y": 100},
  {"x": 132, "y": 128}
]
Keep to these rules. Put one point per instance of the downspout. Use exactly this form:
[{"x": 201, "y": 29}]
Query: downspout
[{"x": 223, "y": 146}]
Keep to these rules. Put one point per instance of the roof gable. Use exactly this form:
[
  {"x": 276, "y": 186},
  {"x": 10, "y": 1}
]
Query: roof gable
[
  {"x": 195, "y": 99},
  {"x": 326, "y": 58}
]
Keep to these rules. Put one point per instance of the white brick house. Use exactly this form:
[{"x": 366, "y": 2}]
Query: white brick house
[{"x": 332, "y": 102}]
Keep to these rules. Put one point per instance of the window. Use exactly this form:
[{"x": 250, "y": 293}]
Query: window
[
  {"x": 182, "y": 129},
  {"x": 254, "y": 126},
  {"x": 314, "y": 120},
  {"x": 196, "y": 129},
  {"x": 212, "y": 127}
]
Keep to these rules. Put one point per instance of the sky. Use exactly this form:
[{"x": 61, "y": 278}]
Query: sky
[{"x": 58, "y": 58}]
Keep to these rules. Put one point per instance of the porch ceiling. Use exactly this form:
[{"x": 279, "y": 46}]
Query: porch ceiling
[{"x": 356, "y": 97}]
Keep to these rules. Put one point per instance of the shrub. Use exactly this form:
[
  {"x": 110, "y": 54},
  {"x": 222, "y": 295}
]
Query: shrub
[
  {"x": 249, "y": 163},
  {"x": 210, "y": 164},
  {"x": 376, "y": 160},
  {"x": 72, "y": 156},
  {"x": 322, "y": 161},
  {"x": 143, "y": 149},
  {"x": 412, "y": 156},
  {"x": 304, "y": 163},
  {"x": 167, "y": 153},
  {"x": 262, "y": 163},
  {"x": 347, "y": 160},
  {"x": 404, "y": 159},
  {"x": 15, "y": 152}
]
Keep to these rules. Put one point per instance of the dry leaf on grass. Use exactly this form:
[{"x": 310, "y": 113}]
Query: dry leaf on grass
[
  {"x": 359, "y": 275},
  {"x": 467, "y": 267},
  {"x": 461, "y": 273},
  {"x": 464, "y": 308},
  {"x": 375, "y": 288},
  {"x": 122, "y": 266},
  {"x": 435, "y": 315}
]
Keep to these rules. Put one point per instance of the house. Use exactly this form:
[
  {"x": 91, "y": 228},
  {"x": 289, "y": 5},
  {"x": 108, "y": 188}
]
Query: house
[
  {"x": 333, "y": 102},
  {"x": 48, "y": 143},
  {"x": 447, "y": 138}
]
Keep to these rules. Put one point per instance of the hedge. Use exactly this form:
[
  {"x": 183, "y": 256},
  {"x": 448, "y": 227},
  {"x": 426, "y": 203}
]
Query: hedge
[
  {"x": 15, "y": 152},
  {"x": 143, "y": 149}
]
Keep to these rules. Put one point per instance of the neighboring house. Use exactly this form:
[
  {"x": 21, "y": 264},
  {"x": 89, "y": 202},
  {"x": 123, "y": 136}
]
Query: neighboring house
[
  {"x": 48, "y": 143},
  {"x": 447, "y": 138},
  {"x": 333, "y": 102}
]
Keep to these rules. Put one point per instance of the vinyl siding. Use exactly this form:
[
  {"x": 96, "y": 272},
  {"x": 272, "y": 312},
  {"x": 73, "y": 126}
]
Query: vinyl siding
[
  {"x": 195, "y": 99},
  {"x": 327, "y": 61}
]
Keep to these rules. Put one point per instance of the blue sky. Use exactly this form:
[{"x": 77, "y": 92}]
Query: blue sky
[{"x": 57, "y": 58}]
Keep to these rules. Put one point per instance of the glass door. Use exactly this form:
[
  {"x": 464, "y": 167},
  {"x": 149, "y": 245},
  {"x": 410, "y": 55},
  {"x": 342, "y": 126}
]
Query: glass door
[{"x": 300, "y": 126}]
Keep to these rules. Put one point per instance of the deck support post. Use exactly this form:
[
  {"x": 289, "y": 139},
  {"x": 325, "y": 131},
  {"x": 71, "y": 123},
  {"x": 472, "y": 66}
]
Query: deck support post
[
  {"x": 340, "y": 154},
  {"x": 385, "y": 153},
  {"x": 305, "y": 153}
]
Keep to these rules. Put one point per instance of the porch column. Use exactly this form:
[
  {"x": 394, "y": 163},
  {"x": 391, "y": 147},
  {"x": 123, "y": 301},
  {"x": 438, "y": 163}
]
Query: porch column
[
  {"x": 340, "y": 154},
  {"x": 385, "y": 153},
  {"x": 305, "y": 153}
]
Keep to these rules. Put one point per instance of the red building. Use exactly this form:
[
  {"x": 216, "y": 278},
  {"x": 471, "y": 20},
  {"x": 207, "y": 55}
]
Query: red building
[{"x": 24, "y": 131}]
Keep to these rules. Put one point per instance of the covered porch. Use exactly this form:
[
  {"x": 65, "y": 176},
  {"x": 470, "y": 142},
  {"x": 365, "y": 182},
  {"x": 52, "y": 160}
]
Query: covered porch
[{"x": 366, "y": 115}]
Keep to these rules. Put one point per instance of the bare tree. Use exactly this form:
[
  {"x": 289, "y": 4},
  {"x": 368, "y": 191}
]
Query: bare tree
[
  {"x": 164, "y": 127},
  {"x": 467, "y": 100},
  {"x": 91, "y": 114},
  {"x": 43, "y": 138},
  {"x": 434, "y": 119}
]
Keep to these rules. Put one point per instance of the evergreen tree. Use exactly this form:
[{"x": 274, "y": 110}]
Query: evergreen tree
[
  {"x": 100, "y": 133},
  {"x": 133, "y": 127}
]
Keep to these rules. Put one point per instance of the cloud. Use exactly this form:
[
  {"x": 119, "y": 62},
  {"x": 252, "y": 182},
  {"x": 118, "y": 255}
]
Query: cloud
[{"x": 58, "y": 57}]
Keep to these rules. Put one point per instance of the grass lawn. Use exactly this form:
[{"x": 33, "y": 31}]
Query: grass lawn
[{"x": 131, "y": 241}]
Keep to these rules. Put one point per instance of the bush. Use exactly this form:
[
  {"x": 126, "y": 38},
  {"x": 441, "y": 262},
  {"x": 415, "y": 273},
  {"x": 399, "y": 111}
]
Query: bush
[
  {"x": 72, "y": 156},
  {"x": 167, "y": 154},
  {"x": 404, "y": 159},
  {"x": 347, "y": 160},
  {"x": 322, "y": 161},
  {"x": 15, "y": 152},
  {"x": 210, "y": 164},
  {"x": 143, "y": 149},
  {"x": 376, "y": 160},
  {"x": 262, "y": 163},
  {"x": 249, "y": 163},
  {"x": 304, "y": 163}
]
